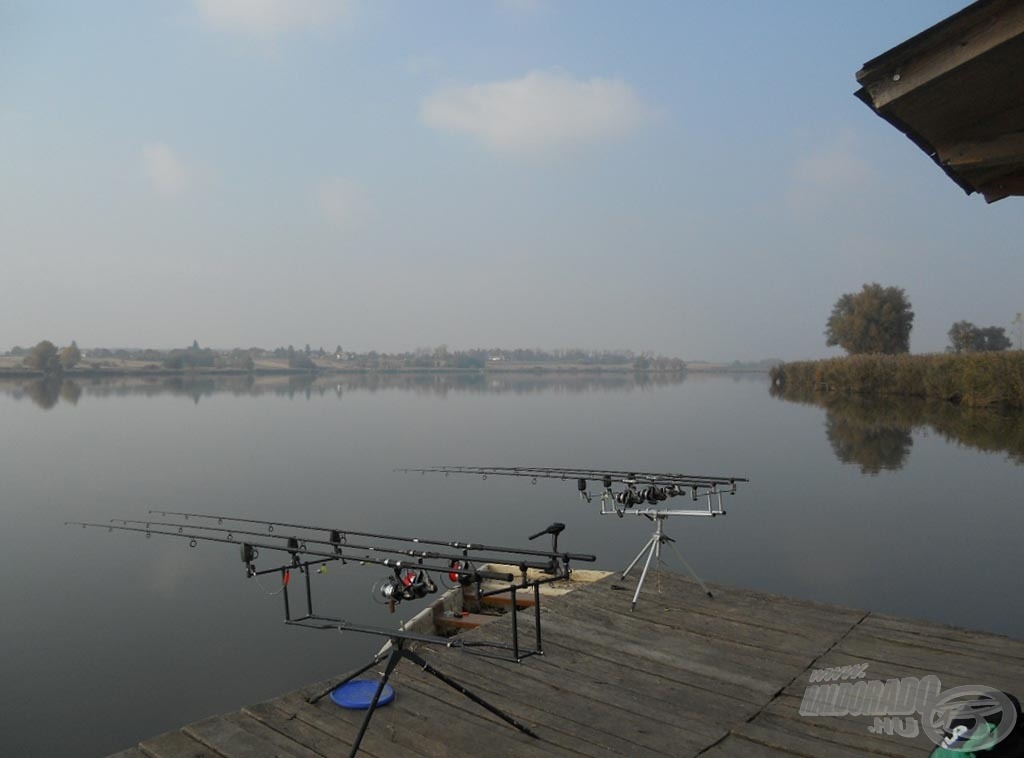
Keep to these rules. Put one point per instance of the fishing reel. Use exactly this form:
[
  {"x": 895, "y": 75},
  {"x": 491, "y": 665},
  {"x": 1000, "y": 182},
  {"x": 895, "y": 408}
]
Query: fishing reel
[
  {"x": 651, "y": 495},
  {"x": 407, "y": 584}
]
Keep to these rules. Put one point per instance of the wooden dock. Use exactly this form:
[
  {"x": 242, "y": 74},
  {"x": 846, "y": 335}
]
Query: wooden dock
[{"x": 683, "y": 675}]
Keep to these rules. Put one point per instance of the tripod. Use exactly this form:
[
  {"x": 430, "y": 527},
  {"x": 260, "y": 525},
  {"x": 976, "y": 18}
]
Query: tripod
[
  {"x": 653, "y": 549},
  {"x": 398, "y": 652}
]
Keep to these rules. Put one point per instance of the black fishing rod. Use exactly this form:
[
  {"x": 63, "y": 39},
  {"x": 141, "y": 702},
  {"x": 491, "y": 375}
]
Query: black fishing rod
[
  {"x": 608, "y": 476},
  {"x": 641, "y": 494},
  {"x": 468, "y": 546},
  {"x": 295, "y": 548},
  {"x": 410, "y": 581},
  {"x": 338, "y": 543}
]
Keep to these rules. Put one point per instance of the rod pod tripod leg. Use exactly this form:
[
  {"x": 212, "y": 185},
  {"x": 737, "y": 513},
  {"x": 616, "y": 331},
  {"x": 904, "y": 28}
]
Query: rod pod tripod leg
[
  {"x": 398, "y": 652},
  {"x": 653, "y": 550}
]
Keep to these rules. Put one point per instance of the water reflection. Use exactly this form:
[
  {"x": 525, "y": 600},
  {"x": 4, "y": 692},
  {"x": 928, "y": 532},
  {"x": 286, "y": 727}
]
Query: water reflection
[
  {"x": 46, "y": 393},
  {"x": 875, "y": 432}
]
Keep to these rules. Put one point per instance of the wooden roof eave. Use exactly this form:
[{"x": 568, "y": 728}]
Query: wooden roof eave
[{"x": 956, "y": 92}]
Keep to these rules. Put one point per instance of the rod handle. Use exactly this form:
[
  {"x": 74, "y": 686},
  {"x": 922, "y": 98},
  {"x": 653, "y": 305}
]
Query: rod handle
[{"x": 496, "y": 575}]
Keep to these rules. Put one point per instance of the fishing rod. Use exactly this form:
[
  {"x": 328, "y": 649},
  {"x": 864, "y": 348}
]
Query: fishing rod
[
  {"x": 296, "y": 548},
  {"x": 410, "y": 580},
  {"x": 627, "y": 501},
  {"x": 608, "y": 475},
  {"x": 467, "y": 546},
  {"x": 631, "y": 500},
  {"x": 338, "y": 543}
]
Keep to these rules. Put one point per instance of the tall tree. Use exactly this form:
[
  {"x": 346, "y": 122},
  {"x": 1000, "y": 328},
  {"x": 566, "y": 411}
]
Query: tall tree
[
  {"x": 70, "y": 356},
  {"x": 965, "y": 337},
  {"x": 875, "y": 320},
  {"x": 961, "y": 337},
  {"x": 43, "y": 357},
  {"x": 992, "y": 339}
]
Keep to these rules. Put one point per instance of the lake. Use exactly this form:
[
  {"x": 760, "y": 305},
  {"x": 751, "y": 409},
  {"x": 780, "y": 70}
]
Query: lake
[{"x": 904, "y": 507}]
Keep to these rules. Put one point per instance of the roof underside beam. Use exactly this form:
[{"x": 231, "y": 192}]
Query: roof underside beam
[{"x": 957, "y": 91}]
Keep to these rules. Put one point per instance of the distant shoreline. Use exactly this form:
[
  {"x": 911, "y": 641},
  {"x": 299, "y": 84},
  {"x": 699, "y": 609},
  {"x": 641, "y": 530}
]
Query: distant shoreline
[{"x": 25, "y": 373}]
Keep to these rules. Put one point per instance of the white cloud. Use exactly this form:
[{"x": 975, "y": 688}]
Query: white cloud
[
  {"x": 344, "y": 203},
  {"x": 542, "y": 109},
  {"x": 165, "y": 169},
  {"x": 268, "y": 18},
  {"x": 828, "y": 174}
]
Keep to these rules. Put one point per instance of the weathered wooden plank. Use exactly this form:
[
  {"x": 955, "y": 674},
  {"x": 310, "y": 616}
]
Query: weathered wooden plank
[
  {"x": 981, "y": 668},
  {"x": 467, "y": 727},
  {"x": 231, "y": 736},
  {"x": 794, "y": 644},
  {"x": 464, "y": 621},
  {"x": 650, "y": 660},
  {"x": 793, "y": 741},
  {"x": 644, "y": 656},
  {"x": 460, "y": 724},
  {"x": 381, "y": 740},
  {"x": 890, "y": 669},
  {"x": 175, "y": 744},
  {"x": 560, "y": 733},
  {"x": 287, "y": 724},
  {"x": 734, "y": 746},
  {"x": 797, "y": 642},
  {"x": 760, "y": 608},
  {"x": 933, "y": 55},
  {"x": 131, "y": 752},
  {"x": 849, "y": 733},
  {"x": 942, "y": 637},
  {"x": 724, "y": 662},
  {"x": 578, "y": 674}
]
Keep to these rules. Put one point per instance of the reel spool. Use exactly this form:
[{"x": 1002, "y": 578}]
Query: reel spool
[
  {"x": 387, "y": 591},
  {"x": 408, "y": 584}
]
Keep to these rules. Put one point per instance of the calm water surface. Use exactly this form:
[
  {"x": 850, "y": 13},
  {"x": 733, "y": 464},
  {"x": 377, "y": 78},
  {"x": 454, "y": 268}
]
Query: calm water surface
[{"x": 906, "y": 508}]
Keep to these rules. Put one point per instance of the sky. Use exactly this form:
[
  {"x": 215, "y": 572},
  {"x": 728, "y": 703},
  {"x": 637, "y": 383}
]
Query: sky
[{"x": 694, "y": 179}]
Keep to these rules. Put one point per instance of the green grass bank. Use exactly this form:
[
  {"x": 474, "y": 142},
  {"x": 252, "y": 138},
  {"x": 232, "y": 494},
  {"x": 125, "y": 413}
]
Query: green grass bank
[{"x": 974, "y": 379}]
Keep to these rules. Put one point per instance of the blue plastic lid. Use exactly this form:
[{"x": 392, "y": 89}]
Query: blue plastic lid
[{"x": 358, "y": 694}]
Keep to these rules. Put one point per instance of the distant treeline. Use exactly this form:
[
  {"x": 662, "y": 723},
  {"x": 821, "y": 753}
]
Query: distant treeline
[
  {"x": 974, "y": 379},
  {"x": 308, "y": 358}
]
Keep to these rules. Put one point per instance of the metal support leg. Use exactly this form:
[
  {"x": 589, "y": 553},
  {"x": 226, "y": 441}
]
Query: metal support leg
[
  {"x": 396, "y": 655},
  {"x": 653, "y": 550},
  {"x": 689, "y": 568},
  {"x": 643, "y": 574},
  {"x": 536, "y": 616},
  {"x": 415, "y": 658},
  {"x": 515, "y": 626},
  {"x": 637, "y": 559}
]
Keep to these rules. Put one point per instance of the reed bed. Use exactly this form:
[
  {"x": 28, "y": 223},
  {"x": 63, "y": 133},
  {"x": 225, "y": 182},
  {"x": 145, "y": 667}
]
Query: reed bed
[{"x": 973, "y": 379}]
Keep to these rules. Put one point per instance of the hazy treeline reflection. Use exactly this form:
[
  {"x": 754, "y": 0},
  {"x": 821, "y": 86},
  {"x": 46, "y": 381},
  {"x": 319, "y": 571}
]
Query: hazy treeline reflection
[
  {"x": 875, "y": 432},
  {"x": 46, "y": 393}
]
